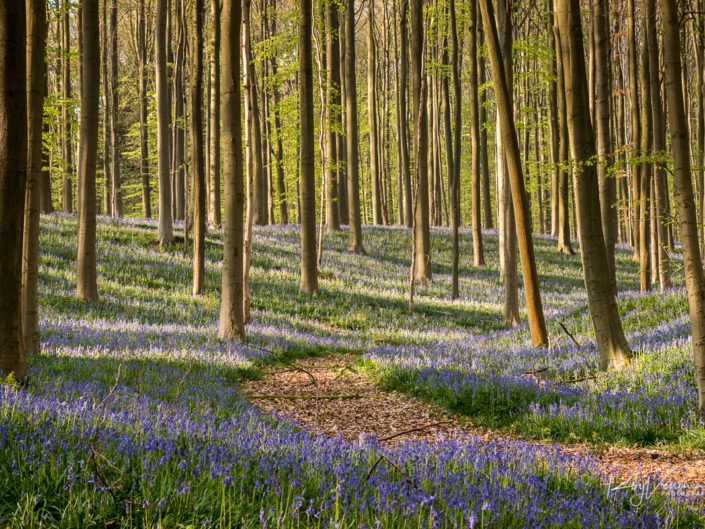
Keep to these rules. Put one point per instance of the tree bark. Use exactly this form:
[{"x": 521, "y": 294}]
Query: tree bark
[
  {"x": 659, "y": 147},
  {"x": 372, "y": 116},
  {"x": 66, "y": 118},
  {"x": 564, "y": 244},
  {"x": 645, "y": 170},
  {"x": 683, "y": 187},
  {"x": 13, "y": 176},
  {"x": 522, "y": 216},
  {"x": 231, "y": 325},
  {"x": 403, "y": 109},
  {"x": 309, "y": 272},
  {"x": 611, "y": 344},
  {"x": 36, "y": 34},
  {"x": 166, "y": 229},
  {"x": 422, "y": 235},
  {"x": 454, "y": 161},
  {"x": 198, "y": 169},
  {"x": 144, "y": 146},
  {"x": 107, "y": 99},
  {"x": 86, "y": 268},
  {"x": 477, "y": 249},
  {"x": 636, "y": 122},
  {"x": 603, "y": 93},
  {"x": 333, "y": 116},
  {"x": 355, "y": 227},
  {"x": 115, "y": 154},
  {"x": 178, "y": 136}
]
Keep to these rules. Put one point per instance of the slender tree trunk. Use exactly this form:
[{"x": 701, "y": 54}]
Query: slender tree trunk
[
  {"x": 611, "y": 344},
  {"x": 506, "y": 221},
  {"x": 309, "y": 272},
  {"x": 659, "y": 147},
  {"x": 13, "y": 176},
  {"x": 454, "y": 172},
  {"x": 636, "y": 122},
  {"x": 36, "y": 34},
  {"x": 231, "y": 325},
  {"x": 166, "y": 230},
  {"x": 372, "y": 116},
  {"x": 198, "y": 169},
  {"x": 683, "y": 186},
  {"x": 214, "y": 214},
  {"x": 107, "y": 100},
  {"x": 553, "y": 125},
  {"x": 86, "y": 268},
  {"x": 66, "y": 118},
  {"x": 144, "y": 148},
  {"x": 645, "y": 171},
  {"x": 281, "y": 183},
  {"x": 252, "y": 162},
  {"x": 522, "y": 216},
  {"x": 603, "y": 93},
  {"x": 178, "y": 136},
  {"x": 355, "y": 228},
  {"x": 45, "y": 200},
  {"x": 564, "y": 244},
  {"x": 341, "y": 145},
  {"x": 403, "y": 109},
  {"x": 488, "y": 220},
  {"x": 333, "y": 118},
  {"x": 477, "y": 250},
  {"x": 114, "y": 107},
  {"x": 422, "y": 234}
]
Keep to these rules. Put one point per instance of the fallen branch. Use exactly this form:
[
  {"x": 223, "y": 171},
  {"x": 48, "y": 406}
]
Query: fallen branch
[
  {"x": 569, "y": 335},
  {"x": 411, "y": 430},
  {"x": 310, "y": 397}
]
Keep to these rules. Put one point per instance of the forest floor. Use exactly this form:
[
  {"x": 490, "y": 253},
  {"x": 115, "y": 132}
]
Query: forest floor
[{"x": 334, "y": 395}]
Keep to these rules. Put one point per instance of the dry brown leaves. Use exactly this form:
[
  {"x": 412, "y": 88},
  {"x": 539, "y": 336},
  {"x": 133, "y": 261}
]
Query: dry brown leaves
[{"x": 329, "y": 396}]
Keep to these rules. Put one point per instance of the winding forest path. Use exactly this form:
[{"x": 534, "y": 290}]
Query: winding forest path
[{"x": 330, "y": 396}]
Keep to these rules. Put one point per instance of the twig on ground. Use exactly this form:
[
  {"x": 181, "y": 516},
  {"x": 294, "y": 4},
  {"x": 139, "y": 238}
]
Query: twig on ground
[
  {"x": 410, "y": 430},
  {"x": 569, "y": 335}
]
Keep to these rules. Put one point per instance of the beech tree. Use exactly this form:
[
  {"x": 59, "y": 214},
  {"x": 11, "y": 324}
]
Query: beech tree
[
  {"x": 13, "y": 176},
  {"x": 309, "y": 270},
  {"x": 611, "y": 343},
  {"x": 231, "y": 325},
  {"x": 166, "y": 229},
  {"x": 87, "y": 280}
]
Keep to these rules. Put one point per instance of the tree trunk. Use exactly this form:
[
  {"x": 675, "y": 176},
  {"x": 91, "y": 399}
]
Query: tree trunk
[
  {"x": 636, "y": 123},
  {"x": 564, "y": 244},
  {"x": 645, "y": 170},
  {"x": 66, "y": 115},
  {"x": 333, "y": 115},
  {"x": 343, "y": 215},
  {"x": 355, "y": 228},
  {"x": 107, "y": 99},
  {"x": 403, "y": 109},
  {"x": 214, "y": 214},
  {"x": 659, "y": 146},
  {"x": 553, "y": 124},
  {"x": 231, "y": 325},
  {"x": 114, "y": 107},
  {"x": 422, "y": 235},
  {"x": 683, "y": 186},
  {"x": 454, "y": 161},
  {"x": 36, "y": 34},
  {"x": 603, "y": 93},
  {"x": 198, "y": 169},
  {"x": 166, "y": 230},
  {"x": 144, "y": 148},
  {"x": 611, "y": 344},
  {"x": 13, "y": 175},
  {"x": 178, "y": 136},
  {"x": 309, "y": 272},
  {"x": 488, "y": 219},
  {"x": 522, "y": 216},
  {"x": 86, "y": 268},
  {"x": 372, "y": 116},
  {"x": 477, "y": 250}
]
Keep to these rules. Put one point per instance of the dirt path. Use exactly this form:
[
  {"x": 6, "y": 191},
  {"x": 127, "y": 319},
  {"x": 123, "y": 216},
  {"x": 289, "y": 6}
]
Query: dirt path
[{"x": 329, "y": 396}]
